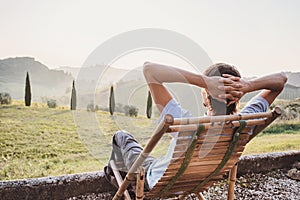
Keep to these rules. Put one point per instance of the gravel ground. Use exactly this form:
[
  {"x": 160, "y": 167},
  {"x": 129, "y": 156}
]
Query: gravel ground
[{"x": 272, "y": 185}]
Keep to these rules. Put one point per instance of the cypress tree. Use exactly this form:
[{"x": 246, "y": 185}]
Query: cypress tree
[
  {"x": 73, "y": 97},
  {"x": 27, "y": 91},
  {"x": 112, "y": 101},
  {"x": 149, "y": 105}
]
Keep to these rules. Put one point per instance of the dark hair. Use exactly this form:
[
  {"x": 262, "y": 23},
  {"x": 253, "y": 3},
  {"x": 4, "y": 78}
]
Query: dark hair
[{"x": 219, "y": 69}]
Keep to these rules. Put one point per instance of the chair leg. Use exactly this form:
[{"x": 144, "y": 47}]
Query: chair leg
[
  {"x": 119, "y": 178},
  {"x": 200, "y": 196},
  {"x": 140, "y": 181},
  {"x": 232, "y": 179}
]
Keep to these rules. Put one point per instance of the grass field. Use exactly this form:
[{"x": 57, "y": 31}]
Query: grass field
[{"x": 38, "y": 141}]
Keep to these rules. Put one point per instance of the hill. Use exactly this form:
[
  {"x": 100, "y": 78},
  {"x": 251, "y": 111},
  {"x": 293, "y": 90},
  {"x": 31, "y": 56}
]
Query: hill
[
  {"x": 44, "y": 82},
  {"x": 106, "y": 74},
  {"x": 293, "y": 78}
]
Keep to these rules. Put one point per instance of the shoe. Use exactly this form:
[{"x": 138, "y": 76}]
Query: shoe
[{"x": 109, "y": 176}]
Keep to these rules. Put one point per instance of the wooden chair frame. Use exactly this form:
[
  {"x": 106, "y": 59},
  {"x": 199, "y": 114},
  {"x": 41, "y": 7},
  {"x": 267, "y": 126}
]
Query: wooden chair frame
[{"x": 238, "y": 122}]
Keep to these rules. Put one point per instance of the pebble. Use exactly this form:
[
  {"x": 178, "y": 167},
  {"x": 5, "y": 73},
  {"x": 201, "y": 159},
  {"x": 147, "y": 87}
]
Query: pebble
[{"x": 274, "y": 185}]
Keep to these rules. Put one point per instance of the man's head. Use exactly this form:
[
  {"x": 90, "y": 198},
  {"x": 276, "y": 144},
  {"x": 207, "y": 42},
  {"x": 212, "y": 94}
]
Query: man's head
[{"x": 214, "y": 106}]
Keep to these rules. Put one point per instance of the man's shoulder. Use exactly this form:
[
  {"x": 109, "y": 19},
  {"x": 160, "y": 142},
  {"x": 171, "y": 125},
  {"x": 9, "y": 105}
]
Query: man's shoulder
[{"x": 256, "y": 104}]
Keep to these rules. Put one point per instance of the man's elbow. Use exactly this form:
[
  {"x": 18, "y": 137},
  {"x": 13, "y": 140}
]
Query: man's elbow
[
  {"x": 147, "y": 68},
  {"x": 282, "y": 80},
  {"x": 150, "y": 71},
  {"x": 146, "y": 65}
]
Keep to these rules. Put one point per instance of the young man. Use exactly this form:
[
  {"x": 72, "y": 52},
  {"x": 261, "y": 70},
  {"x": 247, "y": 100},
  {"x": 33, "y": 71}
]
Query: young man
[{"x": 222, "y": 89}]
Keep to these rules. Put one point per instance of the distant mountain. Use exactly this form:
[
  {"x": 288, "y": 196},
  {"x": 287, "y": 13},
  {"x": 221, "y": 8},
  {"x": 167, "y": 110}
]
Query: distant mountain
[
  {"x": 293, "y": 78},
  {"x": 73, "y": 71},
  {"x": 104, "y": 74},
  {"x": 44, "y": 82}
]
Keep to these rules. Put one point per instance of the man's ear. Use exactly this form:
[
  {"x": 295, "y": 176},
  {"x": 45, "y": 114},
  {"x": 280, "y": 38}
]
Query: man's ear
[{"x": 204, "y": 98}]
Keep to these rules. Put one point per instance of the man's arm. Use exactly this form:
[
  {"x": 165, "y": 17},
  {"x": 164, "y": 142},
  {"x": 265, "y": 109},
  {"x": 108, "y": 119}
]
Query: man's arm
[
  {"x": 271, "y": 86},
  {"x": 157, "y": 74}
]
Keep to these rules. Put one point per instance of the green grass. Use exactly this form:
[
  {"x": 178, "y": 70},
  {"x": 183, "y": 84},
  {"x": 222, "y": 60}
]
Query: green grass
[
  {"x": 279, "y": 136},
  {"x": 38, "y": 141},
  {"x": 288, "y": 127},
  {"x": 273, "y": 143}
]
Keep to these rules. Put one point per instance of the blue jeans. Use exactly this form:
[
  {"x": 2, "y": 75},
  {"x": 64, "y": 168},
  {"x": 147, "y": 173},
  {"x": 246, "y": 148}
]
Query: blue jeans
[{"x": 126, "y": 150}]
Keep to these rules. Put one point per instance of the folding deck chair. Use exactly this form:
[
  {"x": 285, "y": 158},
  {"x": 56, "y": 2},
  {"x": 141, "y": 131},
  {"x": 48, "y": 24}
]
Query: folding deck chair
[{"x": 207, "y": 148}]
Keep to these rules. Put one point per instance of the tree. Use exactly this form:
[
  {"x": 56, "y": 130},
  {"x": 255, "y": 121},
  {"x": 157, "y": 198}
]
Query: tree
[
  {"x": 111, "y": 101},
  {"x": 27, "y": 91},
  {"x": 5, "y": 98},
  {"x": 149, "y": 105},
  {"x": 73, "y": 97},
  {"x": 51, "y": 103},
  {"x": 131, "y": 111},
  {"x": 90, "y": 107}
]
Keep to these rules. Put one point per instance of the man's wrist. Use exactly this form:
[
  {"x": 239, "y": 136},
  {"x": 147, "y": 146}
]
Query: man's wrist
[
  {"x": 202, "y": 81},
  {"x": 248, "y": 86}
]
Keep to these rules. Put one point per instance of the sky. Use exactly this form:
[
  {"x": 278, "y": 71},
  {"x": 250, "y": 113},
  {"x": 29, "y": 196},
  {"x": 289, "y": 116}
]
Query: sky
[{"x": 258, "y": 36}]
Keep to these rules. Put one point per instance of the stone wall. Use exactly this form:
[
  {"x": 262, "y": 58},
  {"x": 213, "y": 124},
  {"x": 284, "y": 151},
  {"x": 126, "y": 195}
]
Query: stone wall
[
  {"x": 62, "y": 187},
  {"x": 58, "y": 187}
]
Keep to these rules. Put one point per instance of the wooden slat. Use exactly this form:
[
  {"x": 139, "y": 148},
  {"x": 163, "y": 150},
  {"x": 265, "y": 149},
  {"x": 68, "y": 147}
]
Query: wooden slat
[
  {"x": 180, "y": 148},
  {"x": 207, "y": 164},
  {"x": 220, "y": 118},
  {"x": 178, "y": 128},
  {"x": 225, "y": 129},
  {"x": 175, "y": 189},
  {"x": 184, "y": 185},
  {"x": 212, "y": 155},
  {"x": 183, "y": 141},
  {"x": 188, "y": 177},
  {"x": 195, "y": 159},
  {"x": 201, "y": 167},
  {"x": 206, "y": 154},
  {"x": 206, "y": 147}
]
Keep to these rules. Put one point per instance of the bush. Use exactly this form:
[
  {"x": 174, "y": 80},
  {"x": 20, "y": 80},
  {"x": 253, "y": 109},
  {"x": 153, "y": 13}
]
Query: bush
[
  {"x": 51, "y": 103},
  {"x": 5, "y": 98},
  {"x": 282, "y": 128},
  {"x": 90, "y": 107},
  {"x": 131, "y": 111},
  {"x": 290, "y": 112}
]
